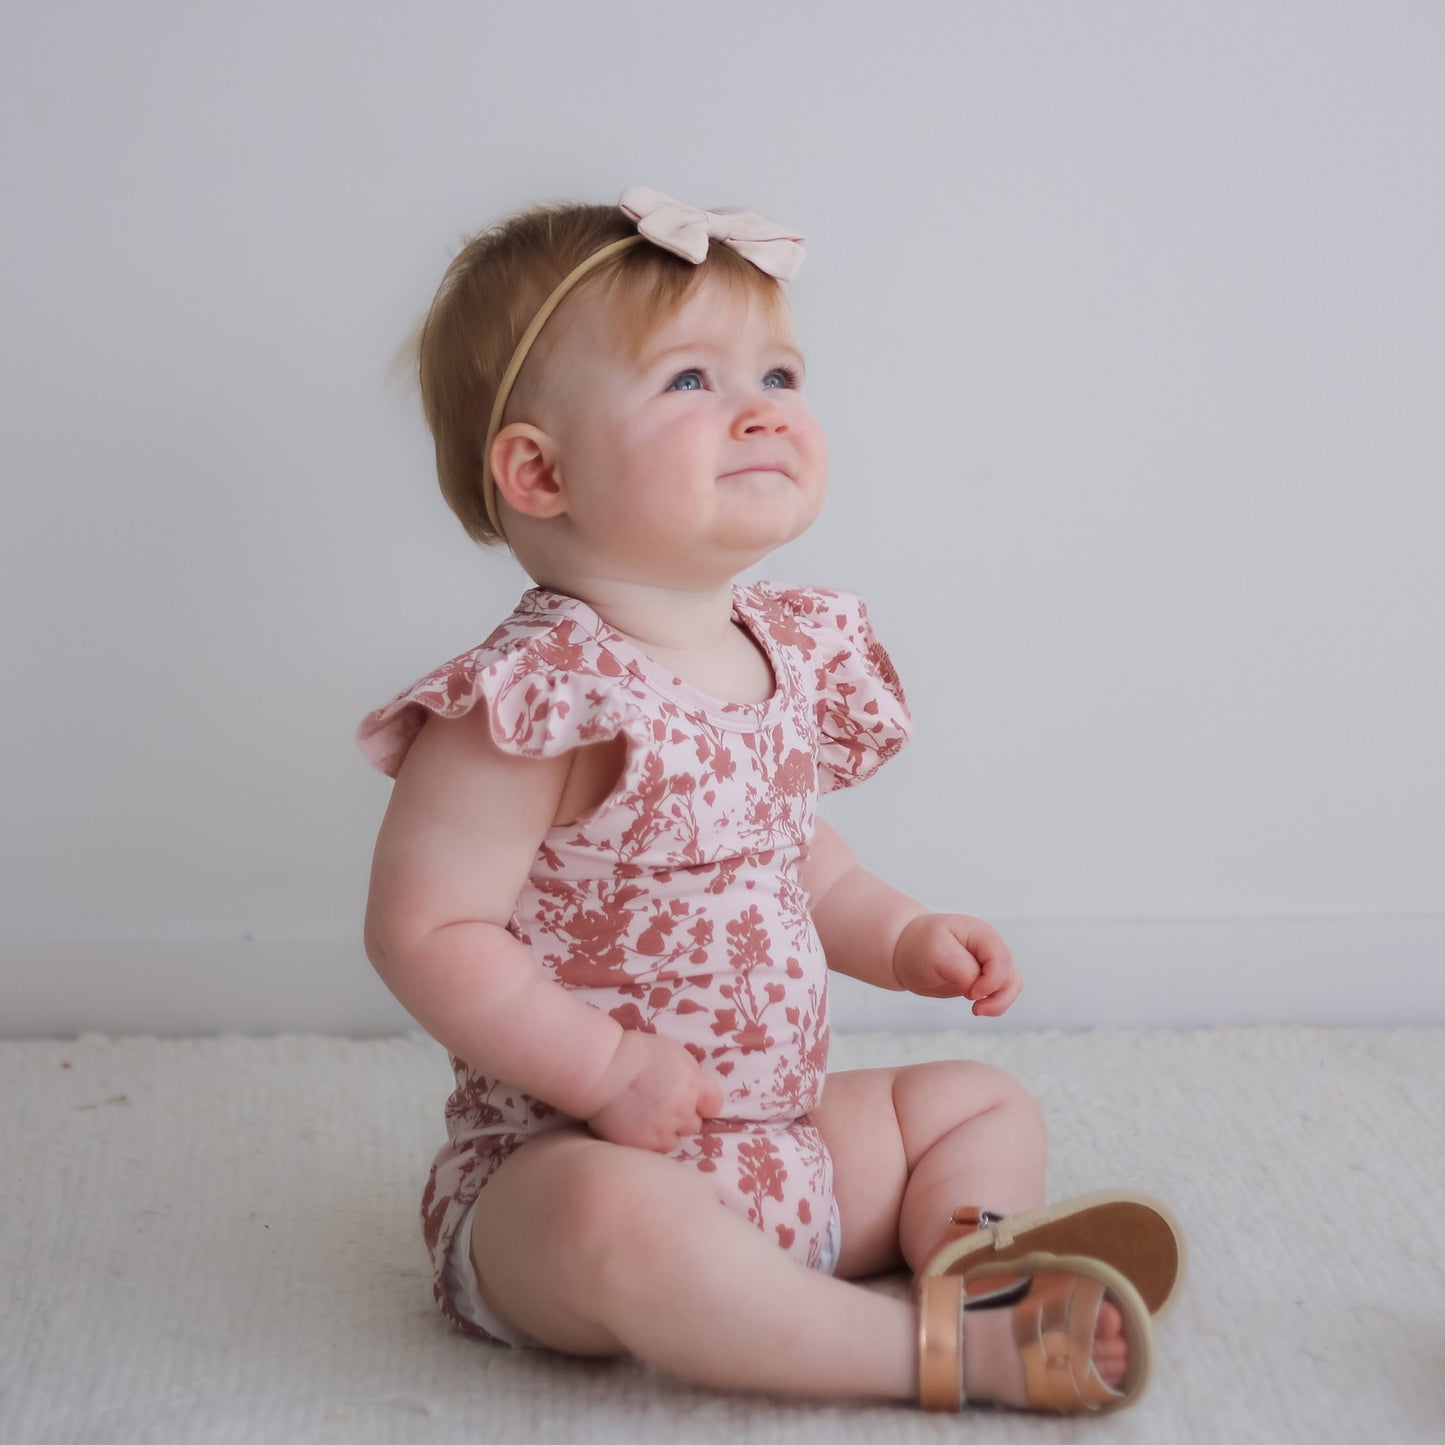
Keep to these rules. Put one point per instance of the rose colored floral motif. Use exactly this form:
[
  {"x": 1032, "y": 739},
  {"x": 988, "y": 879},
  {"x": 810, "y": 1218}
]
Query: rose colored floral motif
[{"x": 675, "y": 906}]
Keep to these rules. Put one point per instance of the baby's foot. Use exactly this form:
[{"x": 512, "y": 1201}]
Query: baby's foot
[{"x": 993, "y": 1372}]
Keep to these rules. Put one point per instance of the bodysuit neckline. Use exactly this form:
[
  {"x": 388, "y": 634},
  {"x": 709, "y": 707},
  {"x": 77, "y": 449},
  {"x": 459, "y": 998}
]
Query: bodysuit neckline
[{"x": 732, "y": 715}]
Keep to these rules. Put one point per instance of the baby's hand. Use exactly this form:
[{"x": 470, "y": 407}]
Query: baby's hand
[
  {"x": 948, "y": 955},
  {"x": 657, "y": 1094}
]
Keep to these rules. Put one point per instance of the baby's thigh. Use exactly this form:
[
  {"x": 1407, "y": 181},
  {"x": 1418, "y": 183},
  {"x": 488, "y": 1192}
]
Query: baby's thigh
[
  {"x": 859, "y": 1125},
  {"x": 560, "y": 1218}
]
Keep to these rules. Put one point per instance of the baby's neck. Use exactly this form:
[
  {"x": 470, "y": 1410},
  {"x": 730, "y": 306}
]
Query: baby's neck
[
  {"x": 691, "y": 633},
  {"x": 664, "y": 620}
]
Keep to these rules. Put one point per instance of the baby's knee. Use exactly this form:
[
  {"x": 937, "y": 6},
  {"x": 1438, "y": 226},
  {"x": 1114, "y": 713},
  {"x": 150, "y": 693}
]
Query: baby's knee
[
  {"x": 1008, "y": 1096},
  {"x": 1023, "y": 1109},
  {"x": 972, "y": 1089}
]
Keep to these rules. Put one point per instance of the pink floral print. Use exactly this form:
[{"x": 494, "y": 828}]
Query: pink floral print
[{"x": 675, "y": 906}]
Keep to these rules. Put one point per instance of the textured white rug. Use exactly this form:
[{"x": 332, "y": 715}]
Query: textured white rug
[{"x": 215, "y": 1240}]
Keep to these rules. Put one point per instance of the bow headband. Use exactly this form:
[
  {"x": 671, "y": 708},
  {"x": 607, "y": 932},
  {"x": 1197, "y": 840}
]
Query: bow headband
[{"x": 683, "y": 230}]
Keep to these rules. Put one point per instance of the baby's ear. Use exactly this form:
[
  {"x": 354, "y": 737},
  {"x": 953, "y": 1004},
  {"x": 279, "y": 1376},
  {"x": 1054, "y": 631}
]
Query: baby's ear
[{"x": 524, "y": 467}]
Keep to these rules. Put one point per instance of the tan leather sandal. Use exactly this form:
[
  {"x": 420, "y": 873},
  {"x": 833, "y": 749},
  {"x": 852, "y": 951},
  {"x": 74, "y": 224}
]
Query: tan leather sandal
[
  {"x": 1132, "y": 1233},
  {"x": 1055, "y": 1301}
]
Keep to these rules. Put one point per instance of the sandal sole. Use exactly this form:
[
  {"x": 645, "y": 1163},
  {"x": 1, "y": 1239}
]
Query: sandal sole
[{"x": 1131, "y": 1233}]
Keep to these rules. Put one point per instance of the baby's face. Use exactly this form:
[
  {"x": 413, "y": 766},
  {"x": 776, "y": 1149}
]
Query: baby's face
[{"x": 697, "y": 457}]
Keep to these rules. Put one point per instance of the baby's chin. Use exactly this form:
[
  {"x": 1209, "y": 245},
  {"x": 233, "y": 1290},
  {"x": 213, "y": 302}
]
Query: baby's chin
[
  {"x": 760, "y": 529},
  {"x": 768, "y": 501}
]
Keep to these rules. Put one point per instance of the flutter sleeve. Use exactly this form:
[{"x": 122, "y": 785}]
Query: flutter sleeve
[
  {"x": 547, "y": 689},
  {"x": 862, "y": 714}
]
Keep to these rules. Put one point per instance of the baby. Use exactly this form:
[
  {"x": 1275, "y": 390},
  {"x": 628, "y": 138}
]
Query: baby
[{"x": 601, "y": 883}]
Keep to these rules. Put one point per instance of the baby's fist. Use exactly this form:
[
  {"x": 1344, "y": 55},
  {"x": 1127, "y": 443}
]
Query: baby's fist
[
  {"x": 656, "y": 1093},
  {"x": 953, "y": 955}
]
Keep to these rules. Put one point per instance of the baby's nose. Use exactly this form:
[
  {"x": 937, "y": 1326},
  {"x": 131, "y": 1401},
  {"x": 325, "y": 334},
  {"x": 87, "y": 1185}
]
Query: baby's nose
[{"x": 761, "y": 414}]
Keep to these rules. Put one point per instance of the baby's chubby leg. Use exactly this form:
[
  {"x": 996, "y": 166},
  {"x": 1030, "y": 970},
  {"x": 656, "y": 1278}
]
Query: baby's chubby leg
[
  {"x": 910, "y": 1145},
  {"x": 595, "y": 1248}
]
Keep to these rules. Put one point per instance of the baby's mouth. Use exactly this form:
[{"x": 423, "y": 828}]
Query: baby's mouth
[{"x": 759, "y": 467}]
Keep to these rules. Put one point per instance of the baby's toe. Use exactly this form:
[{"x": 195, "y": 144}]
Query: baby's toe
[
  {"x": 1110, "y": 1323},
  {"x": 1111, "y": 1349}
]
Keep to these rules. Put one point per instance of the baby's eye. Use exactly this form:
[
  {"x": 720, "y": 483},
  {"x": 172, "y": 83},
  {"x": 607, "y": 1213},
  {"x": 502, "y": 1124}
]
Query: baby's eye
[
  {"x": 690, "y": 380},
  {"x": 781, "y": 376}
]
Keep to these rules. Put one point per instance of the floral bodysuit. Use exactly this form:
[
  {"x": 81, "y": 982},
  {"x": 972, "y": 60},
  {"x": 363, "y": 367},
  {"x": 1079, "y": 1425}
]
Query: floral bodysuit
[{"x": 675, "y": 905}]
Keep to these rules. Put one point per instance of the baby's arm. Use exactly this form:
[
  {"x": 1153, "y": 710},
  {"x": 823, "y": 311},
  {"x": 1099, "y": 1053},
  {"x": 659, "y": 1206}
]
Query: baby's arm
[
  {"x": 871, "y": 931},
  {"x": 455, "y": 848}
]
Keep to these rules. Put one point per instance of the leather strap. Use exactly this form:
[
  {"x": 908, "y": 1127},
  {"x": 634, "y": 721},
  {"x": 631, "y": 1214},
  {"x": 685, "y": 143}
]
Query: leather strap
[
  {"x": 940, "y": 1344},
  {"x": 968, "y": 1218},
  {"x": 1054, "y": 1331}
]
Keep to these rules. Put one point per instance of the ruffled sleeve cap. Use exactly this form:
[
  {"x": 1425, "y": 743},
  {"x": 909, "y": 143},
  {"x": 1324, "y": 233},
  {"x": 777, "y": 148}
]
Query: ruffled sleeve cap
[
  {"x": 858, "y": 703},
  {"x": 549, "y": 684}
]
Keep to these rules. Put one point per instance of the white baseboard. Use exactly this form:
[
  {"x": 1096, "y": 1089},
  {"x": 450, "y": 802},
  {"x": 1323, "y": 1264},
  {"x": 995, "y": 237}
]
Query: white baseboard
[{"x": 1079, "y": 974}]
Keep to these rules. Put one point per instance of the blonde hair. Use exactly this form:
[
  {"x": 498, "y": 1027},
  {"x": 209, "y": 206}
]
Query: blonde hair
[{"x": 488, "y": 297}]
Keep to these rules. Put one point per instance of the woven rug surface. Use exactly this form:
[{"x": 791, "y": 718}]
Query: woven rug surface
[{"x": 216, "y": 1240}]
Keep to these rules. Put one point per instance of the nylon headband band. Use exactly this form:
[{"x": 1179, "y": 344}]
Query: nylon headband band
[{"x": 514, "y": 366}]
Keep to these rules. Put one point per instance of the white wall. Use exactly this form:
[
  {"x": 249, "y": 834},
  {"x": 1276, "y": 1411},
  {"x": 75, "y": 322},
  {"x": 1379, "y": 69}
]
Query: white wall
[{"x": 1128, "y": 324}]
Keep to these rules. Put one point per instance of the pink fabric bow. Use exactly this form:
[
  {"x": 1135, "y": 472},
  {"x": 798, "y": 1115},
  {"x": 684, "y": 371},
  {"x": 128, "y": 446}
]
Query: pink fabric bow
[{"x": 685, "y": 231}]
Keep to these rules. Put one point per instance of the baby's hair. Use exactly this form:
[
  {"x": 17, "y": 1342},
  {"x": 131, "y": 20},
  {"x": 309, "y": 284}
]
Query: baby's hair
[{"x": 491, "y": 292}]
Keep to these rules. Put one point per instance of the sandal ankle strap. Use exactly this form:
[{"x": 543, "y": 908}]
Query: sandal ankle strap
[
  {"x": 940, "y": 1345},
  {"x": 969, "y": 1218}
]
